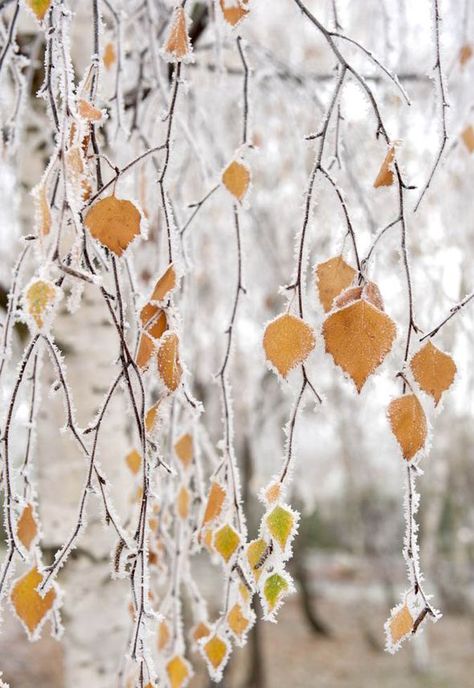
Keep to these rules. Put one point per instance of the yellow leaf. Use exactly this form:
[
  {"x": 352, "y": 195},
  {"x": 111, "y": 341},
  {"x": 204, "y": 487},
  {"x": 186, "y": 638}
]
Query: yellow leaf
[
  {"x": 238, "y": 622},
  {"x": 385, "y": 176},
  {"x": 169, "y": 366},
  {"x": 40, "y": 298},
  {"x": 26, "y": 528},
  {"x": 288, "y": 341},
  {"x": 236, "y": 179},
  {"x": 183, "y": 502},
  {"x": 165, "y": 284},
  {"x": 233, "y": 10},
  {"x": 216, "y": 651},
  {"x": 215, "y": 501},
  {"x": 226, "y": 542},
  {"x": 163, "y": 636},
  {"x": 274, "y": 589},
  {"x": 134, "y": 461},
  {"x": 184, "y": 450},
  {"x": 30, "y": 607},
  {"x": 39, "y": 7},
  {"x": 109, "y": 58},
  {"x": 201, "y": 630},
  {"x": 179, "y": 672},
  {"x": 433, "y": 370},
  {"x": 151, "y": 417},
  {"x": 114, "y": 222},
  {"x": 468, "y": 138},
  {"x": 177, "y": 44},
  {"x": 281, "y": 523},
  {"x": 408, "y": 423},
  {"x": 332, "y": 277},
  {"x": 358, "y": 337},
  {"x": 255, "y": 551},
  {"x": 401, "y": 624},
  {"x": 87, "y": 111}
]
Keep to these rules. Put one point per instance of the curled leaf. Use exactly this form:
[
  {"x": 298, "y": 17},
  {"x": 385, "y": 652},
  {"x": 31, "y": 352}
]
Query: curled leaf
[
  {"x": 288, "y": 341},
  {"x": 87, "y": 111},
  {"x": 182, "y": 504},
  {"x": 467, "y": 136},
  {"x": 255, "y": 553},
  {"x": 168, "y": 363},
  {"x": 408, "y": 424},
  {"x": 386, "y": 176},
  {"x": 109, "y": 58},
  {"x": 165, "y": 284}
]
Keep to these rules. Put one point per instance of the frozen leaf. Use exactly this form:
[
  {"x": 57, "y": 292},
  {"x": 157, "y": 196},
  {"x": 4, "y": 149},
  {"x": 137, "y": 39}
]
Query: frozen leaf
[
  {"x": 288, "y": 341},
  {"x": 358, "y": 337},
  {"x": 465, "y": 54},
  {"x": 40, "y": 298},
  {"x": 281, "y": 523},
  {"x": 216, "y": 651},
  {"x": 179, "y": 672},
  {"x": 163, "y": 636},
  {"x": 27, "y": 528},
  {"x": 114, "y": 222},
  {"x": 31, "y": 608},
  {"x": 275, "y": 587},
  {"x": 183, "y": 502},
  {"x": 332, "y": 277},
  {"x": 385, "y": 176},
  {"x": 169, "y": 366},
  {"x": 146, "y": 348},
  {"x": 234, "y": 10},
  {"x": 226, "y": 542},
  {"x": 134, "y": 461},
  {"x": 177, "y": 45},
  {"x": 236, "y": 179},
  {"x": 184, "y": 450},
  {"x": 207, "y": 539},
  {"x": 255, "y": 552},
  {"x": 468, "y": 138},
  {"x": 408, "y": 423},
  {"x": 165, "y": 284},
  {"x": 39, "y": 7},
  {"x": 87, "y": 111},
  {"x": 154, "y": 320},
  {"x": 201, "y": 630},
  {"x": 433, "y": 370},
  {"x": 151, "y": 417},
  {"x": 43, "y": 211},
  {"x": 238, "y": 622},
  {"x": 109, "y": 57},
  {"x": 369, "y": 292},
  {"x": 214, "y": 504},
  {"x": 272, "y": 493},
  {"x": 400, "y": 625}
]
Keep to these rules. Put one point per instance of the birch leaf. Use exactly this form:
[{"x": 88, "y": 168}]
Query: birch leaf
[
  {"x": 332, "y": 277},
  {"x": 255, "y": 551},
  {"x": 165, "y": 284},
  {"x": 386, "y": 175},
  {"x": 226, "y": 542},
  {"x": 433, "y": 370},
  {"x": 114, "y": 223},
  {"x": 40, "y": 298},
  {"x": 288, "y": 341},
  {"x": 183, "y": 502},
  {"x": 184, "y": 450},
  {"x": 169, "y": 366},
  {"x": 27, "y": 528},
  {"x": 153, "y": 320},
  {"x": 163, "y": 636},
  {"x": 30, "y": 607},
  {"x": 401, "y": 624},
  {"x": 177, "y": 45},
  {"x": 201, "y": 630},
  {"x": 281, "y": 524},
  {"x": 179, "y": 672},
  {"x": 87, "y": 111},
  {"x": 109, "y": 58},
  {"x": 151, "y": 417},
  {"x": 146, "y": 347},
  {"x": 39, "y": 7},
  {"x": 237, "y": 621},
  {"x": 468, "y": 138},
  {"x": 275, "y": 587},
  {"x": 43, "y": 211},
  {"x": 233, "y": 10},
  {"x": 408, "y": 424},
  {"x": 134, "y": 461},
  {"x": 236, "y": 179},
  {"x": 216, "y": 651},
  {"x": 358, "y": 337},
  {"x": 214, "y": 504}
]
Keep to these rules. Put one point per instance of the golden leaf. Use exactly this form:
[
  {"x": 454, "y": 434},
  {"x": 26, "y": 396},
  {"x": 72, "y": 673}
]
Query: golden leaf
[
  {"x": 385, "y": 176},
  {"x": 179, "y": 672},
  {"x": 401, "y": 624},
  {"x": 177, "y": 44},
  {"x": 288, "y": 341},
  {"x": 226, "y": 542},
  {"x": 151, "y": 417},
  {"x": 255, "y": 551},
  {"x": 39, "y": 7},
  {"x": 184, "y": 449},
  {"x": 26, "y": 528},
  {"x": 358, "y": 337},
  {"x": 40, "y": 297},
  {"x": 408, "y": 423},
  {"x": 236, "y": 179},
  {"x": 465, "y": 54},
  {"x": 201, "y": 630},
  {"x": 433, "y": 370},
  {"x": 165, "y": 284},
  {"x": 238, "y": 622},
  {"x": 28, "y": 604},
  {"x": 87, "y": 111},
  {"x": 163, "y": 636},
  {"x": 146, "y": 347},
  {"x": 216, "y": 650},
  {"x": 215, "y": 501},
  {"x": 233, "y": 10},
  {"x": 468, "y": 138},
  {"x": 274, "y": 588},
  {"x": 281, "y": 522},
  {"x": 134, "y": 461},
  {"x": 109, "y": 58},
  {"x": 154, "y": 320},
  {"x": 332, "y": 277},
  {"x": 114, "y": 222},
  {"x": 183, "y": 502},
  {"x": 43, "y": 210},
  {"x": 169, "y": 366}
]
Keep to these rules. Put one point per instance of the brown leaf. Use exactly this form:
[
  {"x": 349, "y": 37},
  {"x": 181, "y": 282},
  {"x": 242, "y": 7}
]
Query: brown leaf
[
  {"x": 184, "y": 449},
  {"x": 433, "y": 370},
  {"x": 28, "y": 604},
  {"x": 168, "y": 363},
  {"x": 385, "y": 176},
  {"x": 177, "y": 44},
  {"x": 408, "y": 423},
  {"x": 233, "y": 10},
  {"x": 236, "y": 179},
  {"x": 165, "y": 284},
  {"x": 332, "y": 277},
  {"x": 358, "y": 337},
  {"x": 114, "y": 222},
  {"x": 26, "y": 528},
  {"x": 288, "y": 341},
  {"x": 468, "y": 138}
]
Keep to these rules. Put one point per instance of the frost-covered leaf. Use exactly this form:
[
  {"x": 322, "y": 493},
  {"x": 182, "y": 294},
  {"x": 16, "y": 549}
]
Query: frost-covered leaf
[
  {"x": 179, "y": 672},
  {"x": 39, "y": 7},
  {"x": 153, "y": 320},
  {"x": 369, "y": 292},
  {"x": 401, "y": 624},
  {"x": 163, "y": 635},
  {"x": 358, "y": 337},
  {"x": 287, "y": 341},
  {"x": 255, "y": 552},
  {"x": 408, "y": 423},
  {"x": 177, "y": 45},
  {"x": 234, "y": 10},
  {"x": 201, "y": 630},
  {"x": 236, "y": 179},
  {"x": 165, "y": 284},
  {"x": 433, "y": 370},
  {"x": 281, "y": 523},
  {"x": 114, "y": 223},
  {"x": 26, "y": 527},
  {"x": 40, "y": 298},
  {"x": 43, "y": 211},
  {"x": 215, "y": 502},
  {"x": 184, "y": 450},
  {"x": 182, "y": 502},
  {"x": 216, "y": 652},
  {"x": 31, "y": 608},
  {"x": 386, "y": 175},
  {"x": 237, "y": 621},
  {"x": 467, "y": 136},
  {"x": 226, "y": 542},
  {"x": 274, "y": 588},
  {"x": 151, "y": 417},
  {"x": 134, "y": 461},
  {"x": 88, "y": 111},
  {"x": 168, "y": 363},
  {"x": 271, "y": 493},
  {"x": 332, "y": 277},
  {"x": 146, "y": 348},
  {"x": 109, "y": 57}
]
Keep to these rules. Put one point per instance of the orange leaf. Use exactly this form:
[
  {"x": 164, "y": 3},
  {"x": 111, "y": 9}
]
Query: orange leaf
[
  {"x": 358, "y": 337},
  {"x": 233, "y": 10},
  {"x": 215, "y": 501},
  {"x": 238, "y": 622},
  {"x": 109, "y": 58},
  {"x": 39, "y": 7},
  {"x": 184, "y": 449},
  {"x": 408, "y": 423},
  {"x": 154, "y": 320},
  {"x": 433, "y": 370},
  {"x": 169, "y": 366},
  {"x": 87, "y": 111},
  {"x": 26, "y": 528},
  {"x": 216, "y": 651},
  {"x": 401, "y": 624},
  {"x": 146, "y": 347},
  {"x": 236, "y": 179},
  {"x": 177, "y": 44},
  {"x": 201, "y": 630},
  {"x": 151, "y": 417},
  {"x": 288, "y": 341},
  {"x": 179, "y": 672},
  {"x": 385, "y": 176},
  {"x": 43, "y": 211},
  {"x": 468, "y": 138},
  {"x": 332, "y": 277},
  {"x": 183, "y": 502},
  {"x": 370, "y": 292},
  {"x": 165, "y": 284},
  {"x": 134, "y": 461},
  {"x": 30, "y": 607},
  {"x": 114, "y": 222}
]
